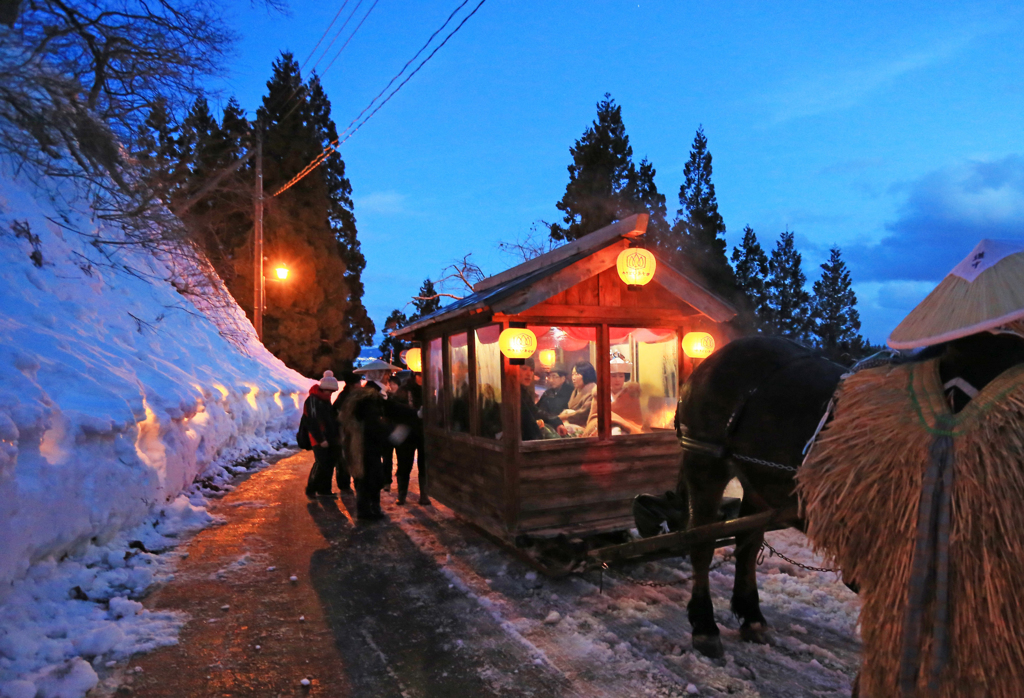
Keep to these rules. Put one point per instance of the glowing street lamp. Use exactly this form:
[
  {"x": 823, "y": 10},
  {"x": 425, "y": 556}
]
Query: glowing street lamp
[{"x": 282, "y": 272}]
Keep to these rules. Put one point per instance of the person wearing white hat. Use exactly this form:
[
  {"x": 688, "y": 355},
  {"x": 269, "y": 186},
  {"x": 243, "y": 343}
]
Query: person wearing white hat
[{"x": 324, "y": 435}]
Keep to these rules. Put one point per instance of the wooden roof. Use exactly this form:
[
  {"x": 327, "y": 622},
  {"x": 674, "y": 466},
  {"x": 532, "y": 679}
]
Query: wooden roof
[{"x": 534, "y": 281}]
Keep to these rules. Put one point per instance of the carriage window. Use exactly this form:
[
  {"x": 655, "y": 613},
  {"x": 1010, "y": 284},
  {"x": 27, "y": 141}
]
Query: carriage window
[
  {"x": 435, "y": 382},
  {"x": 644, "y": 379},
  {"x": 488, "y": 380},
  {"x": 458, "y": 356},
  {"x": 559, "y": 396}
]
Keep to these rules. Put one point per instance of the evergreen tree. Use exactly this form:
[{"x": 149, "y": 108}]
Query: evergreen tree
[
  {"x": 306, "y": 320},
  {"x": 600, "y": 169},
  {"x": 391, "y": 347},
  {"x": 698, "y": 234},
  {"x": 426, "y": 301},
  {"x": 358, "y": 325},
  {"x": 834, "y": 311},
  {"x": 750, "y": 267},
  {"x": 788, "y": 302},
  {"x": 156, "y": 150},
  {"x": 641, "y": 196}
]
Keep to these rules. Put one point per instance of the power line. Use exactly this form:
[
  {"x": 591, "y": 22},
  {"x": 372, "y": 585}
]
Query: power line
[
  {"x": 338, "y": 33},
  {"x": 349, "y": 38},
  {"x": 336, "y": 15},
  {"x": 350, "y": 131}
]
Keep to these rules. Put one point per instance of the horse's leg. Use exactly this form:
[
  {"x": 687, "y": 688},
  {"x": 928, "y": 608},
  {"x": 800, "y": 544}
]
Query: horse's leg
[
  {"x": 705, "y": 487},
  {"x": 745, "y": 601}
]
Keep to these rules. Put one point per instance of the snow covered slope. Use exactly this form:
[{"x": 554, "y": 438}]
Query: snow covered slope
[{"x": 116, "y": 393}]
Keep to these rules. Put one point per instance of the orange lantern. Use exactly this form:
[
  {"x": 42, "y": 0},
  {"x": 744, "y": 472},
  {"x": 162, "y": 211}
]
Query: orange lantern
[
  {"x": 282, "y": 272},
  {"x": 636, "y": 267},
  {"x": 413, "y": 359},
  {"x": 698, "y": 345},
  {"x": 518, "y": 344},
  {"x": 547, "y": 358}
]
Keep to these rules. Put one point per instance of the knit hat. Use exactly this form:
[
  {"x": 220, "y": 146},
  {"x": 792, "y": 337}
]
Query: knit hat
[
  {"x": 981, "y": 293},
  {"x": 329, "y": 382}
]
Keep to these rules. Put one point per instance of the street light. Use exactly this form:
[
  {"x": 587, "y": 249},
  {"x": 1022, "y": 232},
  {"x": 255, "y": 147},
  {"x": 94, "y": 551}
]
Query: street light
[{"x": 282, "y": 272}]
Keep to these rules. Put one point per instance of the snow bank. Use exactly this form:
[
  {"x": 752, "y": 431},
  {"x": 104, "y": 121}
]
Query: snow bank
[{"x": 116, "y": 394}]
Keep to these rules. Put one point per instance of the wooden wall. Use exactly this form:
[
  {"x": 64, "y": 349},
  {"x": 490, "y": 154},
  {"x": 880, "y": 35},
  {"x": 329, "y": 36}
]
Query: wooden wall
[
  {"x": 466, "y": 474},
  {"x": 589, "y": 485}
]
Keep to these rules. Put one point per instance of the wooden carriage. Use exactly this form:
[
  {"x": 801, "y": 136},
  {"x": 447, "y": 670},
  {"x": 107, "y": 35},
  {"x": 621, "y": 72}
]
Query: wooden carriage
[{"x": 573, "y": 299}]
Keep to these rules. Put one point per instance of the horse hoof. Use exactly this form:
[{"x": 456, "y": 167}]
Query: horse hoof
[
  {"x": 709, "y": 646},
  {"x": 754, "y": 632}
]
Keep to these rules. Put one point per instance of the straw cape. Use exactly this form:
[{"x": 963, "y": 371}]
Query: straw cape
[
  {"x": 896, "y": 480},
  {"x": 983, "y": 292}
]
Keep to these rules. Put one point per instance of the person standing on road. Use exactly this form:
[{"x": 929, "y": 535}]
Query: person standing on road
[
  {"x": 411, "y": 394},
  {"x": 324, "y": 435}
]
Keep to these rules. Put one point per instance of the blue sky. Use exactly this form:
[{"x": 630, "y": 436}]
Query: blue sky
[{"x": 893, "y": 130}]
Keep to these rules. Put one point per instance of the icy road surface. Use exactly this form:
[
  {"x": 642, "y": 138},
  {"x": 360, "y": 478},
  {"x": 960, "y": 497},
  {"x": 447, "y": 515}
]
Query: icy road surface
[{"x": 421, "y": 604}]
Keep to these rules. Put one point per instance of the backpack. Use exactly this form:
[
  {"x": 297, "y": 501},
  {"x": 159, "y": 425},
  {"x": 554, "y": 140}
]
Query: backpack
[{"x": 302, "y": 437}]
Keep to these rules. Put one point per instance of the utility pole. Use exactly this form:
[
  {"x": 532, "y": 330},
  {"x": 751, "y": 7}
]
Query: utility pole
[{"x": 258, "y": 298}]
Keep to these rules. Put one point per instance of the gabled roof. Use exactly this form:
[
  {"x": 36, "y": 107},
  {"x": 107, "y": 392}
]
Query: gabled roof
[{"x": 534, "y": 281}]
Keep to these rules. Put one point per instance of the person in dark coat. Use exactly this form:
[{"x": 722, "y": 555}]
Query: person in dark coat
[
  {"x": 372, "y": 425},
  {"x": 555, "y": 398},
  {"x": 324, "y": 435},
  {"x": 344, "y": 478},
  {"x": 528, "y": 409},
  {"x": 411, "y": 394}
]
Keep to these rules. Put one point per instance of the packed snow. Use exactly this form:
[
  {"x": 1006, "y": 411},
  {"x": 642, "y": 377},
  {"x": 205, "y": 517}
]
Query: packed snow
[{"x": 122, "y": 404}]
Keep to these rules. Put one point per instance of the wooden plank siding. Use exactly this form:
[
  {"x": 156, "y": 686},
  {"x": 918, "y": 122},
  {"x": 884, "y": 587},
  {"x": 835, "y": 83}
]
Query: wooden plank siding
[
  {"x": 467, "y": 475},
  {"x": 594, "y": 481}
]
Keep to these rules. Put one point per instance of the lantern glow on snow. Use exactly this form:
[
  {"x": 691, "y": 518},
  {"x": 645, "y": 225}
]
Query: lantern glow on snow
[
  {"x": 636, "y": 267},
  {"x": 414, "y": 360},
  {"x": 698, "y": 345},
  {"x": 547, "y": 358},
  {"x": 518, "y": 344}
]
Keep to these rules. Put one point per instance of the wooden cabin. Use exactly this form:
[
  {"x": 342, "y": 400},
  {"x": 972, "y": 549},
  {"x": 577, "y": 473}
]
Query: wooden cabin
[{"x": 581, "y": 311}]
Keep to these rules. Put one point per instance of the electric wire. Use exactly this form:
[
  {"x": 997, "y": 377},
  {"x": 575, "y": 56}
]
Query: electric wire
[
  {"x": 337, "y": 34},
  {"x": 336, "y": 15},
  {"x": 350, "y": 131},
  {"x": 349, "y": 38}
]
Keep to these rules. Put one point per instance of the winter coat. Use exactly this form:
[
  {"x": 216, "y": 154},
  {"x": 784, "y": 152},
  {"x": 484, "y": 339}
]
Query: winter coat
[
  {"x": 368, "y": 421},
  {"x": 552, "y": 402},
  {"x": 528, "y": 415},
  {"x": 626, "y": 411},
  {"x": 580, "y": 401},
  {"x": 322, "y": 417}
]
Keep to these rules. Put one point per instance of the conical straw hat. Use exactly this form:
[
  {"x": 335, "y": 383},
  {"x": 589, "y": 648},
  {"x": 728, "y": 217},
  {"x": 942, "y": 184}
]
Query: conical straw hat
[
  {"x": 983, "y": 292},
  {"x": 376, "y": 365}
]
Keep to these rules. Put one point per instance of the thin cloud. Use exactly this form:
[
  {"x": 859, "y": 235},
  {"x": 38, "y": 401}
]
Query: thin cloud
[
  {"x": 944, "y": 215},
  {"x": 381, "y": 202},
  {"x": 838, "y": 90}
]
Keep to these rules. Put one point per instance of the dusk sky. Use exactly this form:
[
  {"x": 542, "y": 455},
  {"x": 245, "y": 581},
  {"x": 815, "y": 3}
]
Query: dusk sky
[{"x": 893, "y": 130}]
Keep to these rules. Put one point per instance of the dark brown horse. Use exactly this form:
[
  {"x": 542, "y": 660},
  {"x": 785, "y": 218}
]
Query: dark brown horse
[{"x": 746, "y": 412}]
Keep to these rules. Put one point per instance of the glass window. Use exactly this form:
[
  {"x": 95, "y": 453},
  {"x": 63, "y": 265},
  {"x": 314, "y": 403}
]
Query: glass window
[
  {"x": 559, "y": 392},
  {"x": 458, "y": 357},
  {"x": 435, "y": 382},
  {"x": 488, "y": 381},
  {"x": 644, "y": 379}
]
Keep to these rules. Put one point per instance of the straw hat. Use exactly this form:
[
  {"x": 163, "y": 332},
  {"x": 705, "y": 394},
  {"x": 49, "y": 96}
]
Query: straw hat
[
  {"x": 376, "y": 365},
  {"x": 983, "y": 292}
]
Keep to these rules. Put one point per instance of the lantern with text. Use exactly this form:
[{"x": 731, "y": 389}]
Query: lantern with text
[
  {"x": 414, "y": 360},
  {"x": 518, "y": 344},
  {"x": 698, "y": 345},
  {"x": 547, "y": 358},
  {"x": 636, "y": 267},
  {"x": 282, "y": 272}
]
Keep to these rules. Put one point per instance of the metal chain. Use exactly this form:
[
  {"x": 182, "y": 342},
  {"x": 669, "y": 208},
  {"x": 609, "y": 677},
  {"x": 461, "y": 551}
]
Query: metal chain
[
  {"x": 773, "y": 551},
  {"x": 766, "y": 463}
]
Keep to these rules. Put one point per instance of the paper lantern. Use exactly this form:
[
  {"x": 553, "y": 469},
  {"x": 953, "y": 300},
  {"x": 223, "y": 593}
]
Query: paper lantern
[
  {"x": 698, "y": 345},
  {"x": 282, "y": 272},
  {"x": 413, "y": 359},
  {"x": 547, "y": 358},
  {"x": 518, "y": 344},
  {"x": 636, "y": 267}
]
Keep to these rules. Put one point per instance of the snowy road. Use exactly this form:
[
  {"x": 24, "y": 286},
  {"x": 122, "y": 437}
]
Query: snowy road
[{"x": 423, "y": 605}]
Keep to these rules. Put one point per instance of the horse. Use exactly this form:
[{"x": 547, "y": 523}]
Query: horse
[{"x": 747, "y": 412}]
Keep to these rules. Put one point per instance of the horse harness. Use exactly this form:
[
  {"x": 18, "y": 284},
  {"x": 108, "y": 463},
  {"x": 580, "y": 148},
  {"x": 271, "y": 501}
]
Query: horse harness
[{"x": 724, "y": 450}]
